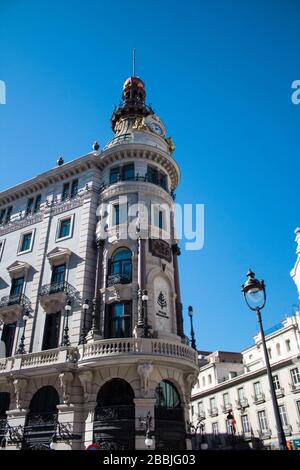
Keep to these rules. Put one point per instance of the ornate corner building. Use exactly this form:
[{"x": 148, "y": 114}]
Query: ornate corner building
[{"x": 92, "y": 345}]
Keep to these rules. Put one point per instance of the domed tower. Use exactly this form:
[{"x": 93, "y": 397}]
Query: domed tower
[{"x": 137, "y": 308}]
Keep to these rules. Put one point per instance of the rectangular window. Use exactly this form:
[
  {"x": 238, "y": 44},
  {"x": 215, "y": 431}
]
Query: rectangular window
[
  {"x": 37, "y": 204},
  {"x": 64, "y": 228},
  {"x": 262, "y": 419},
  {"x": 288, "y": 344},
  {"x": 241, "y": 394},
  {"x": 192, "y": 410},
  {"x": 120, "y": 320},
  {"x": 51, "y": 331},
  {"x": 283, "y": 415},
  {"x": 295, "y": 376},
  {"x": 74, "y": 188},
  {"x": 152, "y": 174},
  {"x": 276, "y": 382},
  {"x": 298, "y": 407},
  {"x": 200, "y": 407},
  {"x": 116, "y": 214},
  {"x": 2, "y": 214},
  {"x": 8, "y": 336},
  {"x": 66, "y": 191},
  {"x": 29, "y": 205},
  {"x": 114, "y": 174},
  {"x": 212, "y": 402},
  {"x": 8, "y": 214},
  {"x": 2, "y": 242},
  {"x": 17, "y": 287},
  {"x": 25, "y": 242},
  {"x": 226, "y": 399},
  {"x": 245, "y": 424},
  {"x": 257, "y": 389},
  {"x": 58, "y": 274},
  {"x": 215, "y": 428},
  {"x": 128, "y": 172}
]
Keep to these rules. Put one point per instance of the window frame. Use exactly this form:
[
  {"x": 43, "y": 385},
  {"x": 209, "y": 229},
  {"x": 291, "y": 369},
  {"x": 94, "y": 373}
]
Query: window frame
[
  {"x": 248, "y": 426},
  {"x": 265, "y": 419},
  {"x": 23, "y": 234},
  {"x": 296, "y": 374},
  {"x": 58, "y": 228},
  {"x": 2, "y": 244}
]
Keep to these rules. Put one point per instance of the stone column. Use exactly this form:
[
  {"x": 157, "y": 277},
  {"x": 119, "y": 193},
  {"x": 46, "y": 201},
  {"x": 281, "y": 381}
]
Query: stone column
[
  {"x": 141, "y": 280},
  {"x": 88, "y": 417},
  {"x": 97, "y": 327},
  {"x": 142, "y": 406},
  {"x": 178, "y": 304},
  {"x": 15, "y": 418},
  {"x": 70, "y": 419}
]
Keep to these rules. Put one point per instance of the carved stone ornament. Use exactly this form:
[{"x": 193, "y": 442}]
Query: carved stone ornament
[
  {"x": 190, "y": 381},
  {"x": 66, "y": 379},
  {"x": 19, "y": 386},
  {"x": 86, "y": 380},
  {"x": 145, "y": 370},
  {"x": 160, "y": 248}
]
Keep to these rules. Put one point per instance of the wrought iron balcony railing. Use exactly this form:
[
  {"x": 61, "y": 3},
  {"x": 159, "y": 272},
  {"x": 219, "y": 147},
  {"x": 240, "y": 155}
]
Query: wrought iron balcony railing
[
  {"x": 108, "y": 413},
  {"x": 258, "y": 398},
  {"x": 56, "y": 288},
  {"x": 145, "y": 179},
  {"x": 243, "y": 403},
  {"x": 114, "y": 279},
  {"x": 265, "y": 433},
  {"x": 226, "y": 407},
  {"x": 213, "y": 411},
  {"x": 19, "y": 299}
]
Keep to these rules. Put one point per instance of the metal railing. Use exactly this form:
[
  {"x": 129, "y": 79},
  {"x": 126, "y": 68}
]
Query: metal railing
[
  {"x": 145, "y": 179},
  {"x": 113, "y": 279},
  {"x": 56, "y": 288},
  {"x": 19, "y": 299}
]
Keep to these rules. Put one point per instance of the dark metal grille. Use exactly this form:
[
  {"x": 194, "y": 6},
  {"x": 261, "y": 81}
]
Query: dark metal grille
[
  {"x": 56, "y": 288},
  {"x": 113, "y": 279},
  {"x": 17, "y": 299},
  {"x": 145, "y": 179}
]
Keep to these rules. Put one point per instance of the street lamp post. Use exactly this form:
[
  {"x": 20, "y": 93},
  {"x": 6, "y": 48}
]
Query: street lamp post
[
  {"x": 82, "y": 339},
  {"x": 193, "y": 341},
  {"x": 21, "y": 348},
  {"x": 146, "y": 326},
  {"x": 255, "y": 296},
  {"x": 146, "y": 423},
  {"x": 66, "y": 339}
]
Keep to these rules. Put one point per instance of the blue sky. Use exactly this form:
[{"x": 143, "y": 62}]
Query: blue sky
[{"x": 219, "y": 74}]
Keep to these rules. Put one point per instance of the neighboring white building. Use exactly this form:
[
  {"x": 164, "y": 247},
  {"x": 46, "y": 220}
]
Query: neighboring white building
[
  {"x": 86, "y": 363},
  {"x": 237, "y": 383}
]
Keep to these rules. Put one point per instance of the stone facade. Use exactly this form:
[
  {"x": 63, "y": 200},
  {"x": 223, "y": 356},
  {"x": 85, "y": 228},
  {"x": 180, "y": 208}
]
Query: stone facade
[{"x": 95, "y": 321}]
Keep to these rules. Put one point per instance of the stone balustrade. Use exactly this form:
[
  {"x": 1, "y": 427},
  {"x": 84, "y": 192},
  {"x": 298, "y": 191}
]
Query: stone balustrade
[{"x": 108, "y": 348}]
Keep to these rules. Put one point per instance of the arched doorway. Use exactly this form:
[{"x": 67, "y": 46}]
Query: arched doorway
[
  {"x": 114, "y": 423},
  {"x": 4, "y": 407},
  {"x": 41, "y": 419},
  {"x": 169, "y": 418}
]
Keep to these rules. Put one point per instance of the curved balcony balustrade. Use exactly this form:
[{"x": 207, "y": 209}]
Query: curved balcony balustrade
[
  {"x": 145, "y": 179},
  {"x": 12, "y": 307},
  {"x": 114, "y": 279},
  {"x": 53, "y": 297}
]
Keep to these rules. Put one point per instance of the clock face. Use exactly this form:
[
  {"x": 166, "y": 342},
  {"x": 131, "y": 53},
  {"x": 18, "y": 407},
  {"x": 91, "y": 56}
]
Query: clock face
[{"x": 155, "y": 127}]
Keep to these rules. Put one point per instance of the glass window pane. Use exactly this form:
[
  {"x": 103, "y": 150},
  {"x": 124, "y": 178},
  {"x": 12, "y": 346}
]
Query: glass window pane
[
  {"x": 114, "y": 175},
  {"x": 65, "y": 226},
  {"x": 26, "y": 240},
  {"x": 128, "y": 171}
]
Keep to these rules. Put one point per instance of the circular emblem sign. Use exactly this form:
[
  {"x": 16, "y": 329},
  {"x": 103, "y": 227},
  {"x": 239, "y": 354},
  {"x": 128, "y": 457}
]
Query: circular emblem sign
[{"x": 93, "y": 447}]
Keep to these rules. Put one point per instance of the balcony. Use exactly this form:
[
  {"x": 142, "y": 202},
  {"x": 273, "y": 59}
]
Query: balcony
[
  {"x": 35, "y": 361},
  {"x": 53, "y": 297},
  {"x": 295, "y": 387},
  {"x": 12, "y": 307},
  {"x": 226, "y": 407},
  {"x": 242, "y": 404},
  {"x": 213, "y": 412},
  {"x": 201, "y": 415},
  {"x": 258, "y": 398},
  {"x": 279, "y": 392},
  {"x": 265, "y": 434},
  {"x": 114, "y": 279},
  {"x": 139, "y": 178}
]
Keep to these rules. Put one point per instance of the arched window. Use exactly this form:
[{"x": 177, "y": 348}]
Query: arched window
[
  {"x": 278, "y": 349},
  {"x": 120, "y": 267},
  {"x": 4, "y": 407},
  {"x": 167, "y": 395},
  {"x": 41, "y": 419},
  {"x": 114, "y": 424}
]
